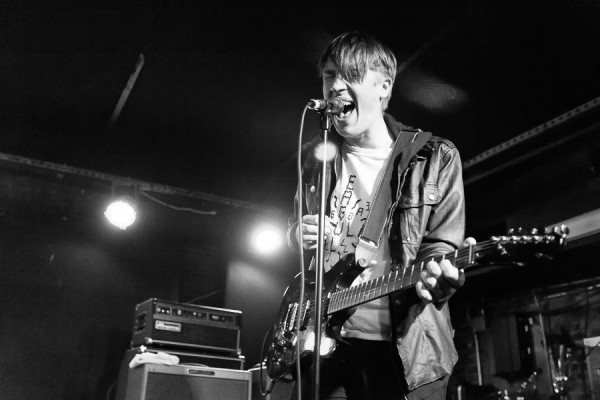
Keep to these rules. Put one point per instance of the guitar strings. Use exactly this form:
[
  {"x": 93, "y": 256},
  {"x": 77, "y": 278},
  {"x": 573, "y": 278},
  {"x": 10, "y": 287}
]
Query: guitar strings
[
  {"x": 362, "y": 293},
  {"x": 352, "y": 296}
]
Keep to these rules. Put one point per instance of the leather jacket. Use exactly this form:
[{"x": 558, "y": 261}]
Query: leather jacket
[{"x": 426, "y": 218}]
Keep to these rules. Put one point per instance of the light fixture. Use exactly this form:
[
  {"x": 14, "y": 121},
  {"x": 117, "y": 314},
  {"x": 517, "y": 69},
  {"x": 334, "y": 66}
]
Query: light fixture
[
  {"x": 121, "y": 212},
  {"x": 325, "y": 151},
  {"x": 266, "y": 239}
]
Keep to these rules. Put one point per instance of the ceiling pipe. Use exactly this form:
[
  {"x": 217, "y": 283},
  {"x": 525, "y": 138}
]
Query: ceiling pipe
[
  {"x": 141, "y": 185},
  {"x": 527, "y": 136}
]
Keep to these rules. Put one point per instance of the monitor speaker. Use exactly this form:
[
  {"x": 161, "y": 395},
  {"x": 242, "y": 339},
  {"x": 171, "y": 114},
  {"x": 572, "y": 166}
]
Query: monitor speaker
[{"x": 184, "y": 382}]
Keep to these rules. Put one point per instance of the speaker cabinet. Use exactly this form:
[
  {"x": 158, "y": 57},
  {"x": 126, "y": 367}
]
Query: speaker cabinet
[{"x": 183, "y": 382}]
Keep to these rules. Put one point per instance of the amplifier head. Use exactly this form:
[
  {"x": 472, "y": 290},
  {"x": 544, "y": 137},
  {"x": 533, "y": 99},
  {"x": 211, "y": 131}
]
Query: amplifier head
[{"x": 162, "y": 323}]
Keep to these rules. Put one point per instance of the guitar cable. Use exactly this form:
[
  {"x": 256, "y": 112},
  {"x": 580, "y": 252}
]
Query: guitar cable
[{"x": 265, "y": 391}]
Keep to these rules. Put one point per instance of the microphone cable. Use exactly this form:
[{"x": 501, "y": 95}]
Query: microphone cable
[{"x": 300, "y": 197}]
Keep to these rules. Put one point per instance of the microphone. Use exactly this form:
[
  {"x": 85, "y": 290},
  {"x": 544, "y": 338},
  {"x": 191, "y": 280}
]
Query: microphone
[{"x": 333, "y": 105}]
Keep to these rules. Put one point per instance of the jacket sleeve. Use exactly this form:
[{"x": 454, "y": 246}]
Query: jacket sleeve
[
  {"x": 424, "y": 335},
  {"x": 309, "y": 203},
  {"x": 303, "y": 205},
  {"x": 445, "y": 227}
]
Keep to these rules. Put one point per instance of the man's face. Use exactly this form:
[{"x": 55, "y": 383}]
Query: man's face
[{"x": 363, "y": 100}]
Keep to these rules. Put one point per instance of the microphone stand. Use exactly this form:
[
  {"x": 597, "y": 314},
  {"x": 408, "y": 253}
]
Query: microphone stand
[{"x": 325, "y": 125}]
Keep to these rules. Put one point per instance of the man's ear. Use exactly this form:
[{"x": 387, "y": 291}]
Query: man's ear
[{"x": 386, "y": 87}]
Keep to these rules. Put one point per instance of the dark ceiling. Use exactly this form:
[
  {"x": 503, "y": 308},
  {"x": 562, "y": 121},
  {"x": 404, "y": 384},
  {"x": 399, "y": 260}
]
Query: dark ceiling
[{"x": 217, "y": 105}]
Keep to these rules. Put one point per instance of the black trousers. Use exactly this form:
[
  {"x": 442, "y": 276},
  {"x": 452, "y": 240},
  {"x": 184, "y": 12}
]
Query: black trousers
[{"x": 365, "y": 370}]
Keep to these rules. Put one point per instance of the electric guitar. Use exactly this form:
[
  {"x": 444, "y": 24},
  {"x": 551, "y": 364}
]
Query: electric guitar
[{"x": 288, "y": 343}]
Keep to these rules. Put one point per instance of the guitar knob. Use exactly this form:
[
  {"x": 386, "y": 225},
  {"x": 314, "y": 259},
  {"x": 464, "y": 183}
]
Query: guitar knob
[{"x": 288, "y": 335}]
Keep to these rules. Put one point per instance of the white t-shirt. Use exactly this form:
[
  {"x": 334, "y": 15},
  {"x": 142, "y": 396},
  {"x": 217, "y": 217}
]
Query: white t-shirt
[{"x": 359, "y": 171}]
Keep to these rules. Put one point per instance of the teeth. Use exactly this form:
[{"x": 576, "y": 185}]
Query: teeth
[{"x": 348, "y": 108}]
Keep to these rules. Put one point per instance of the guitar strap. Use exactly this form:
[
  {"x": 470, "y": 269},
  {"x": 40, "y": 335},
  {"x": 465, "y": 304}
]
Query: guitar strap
[{"x": 406, "y": 146}]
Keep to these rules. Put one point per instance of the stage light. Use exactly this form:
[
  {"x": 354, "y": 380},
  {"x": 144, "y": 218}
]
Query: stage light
[
  {"x": 266, "y": 240},
  {"x": 326, "y": 151},
  {"x": 121, "y": 212}
]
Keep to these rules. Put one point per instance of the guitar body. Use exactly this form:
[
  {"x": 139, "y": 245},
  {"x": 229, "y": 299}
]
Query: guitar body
[{"x": 287, "y": 345}]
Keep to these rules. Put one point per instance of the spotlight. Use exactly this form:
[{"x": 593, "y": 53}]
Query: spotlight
[
  {"x": 121, "y": 212},
  {"x": 326, "y": 151},
  {"x": 267, "y": 240}
]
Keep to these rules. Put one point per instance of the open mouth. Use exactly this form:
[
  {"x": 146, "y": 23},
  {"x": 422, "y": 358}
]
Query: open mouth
[{"x": 349, "y": 106}]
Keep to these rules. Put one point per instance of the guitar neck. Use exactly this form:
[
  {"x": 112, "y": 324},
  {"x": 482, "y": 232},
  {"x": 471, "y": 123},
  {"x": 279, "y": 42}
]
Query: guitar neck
[{"x": 398, "y": 280}]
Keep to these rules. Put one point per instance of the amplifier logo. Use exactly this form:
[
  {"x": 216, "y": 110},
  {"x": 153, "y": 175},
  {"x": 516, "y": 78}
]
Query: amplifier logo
[
  {"x": 167, "y": 326},
  {"x": 200, "y": 372}
]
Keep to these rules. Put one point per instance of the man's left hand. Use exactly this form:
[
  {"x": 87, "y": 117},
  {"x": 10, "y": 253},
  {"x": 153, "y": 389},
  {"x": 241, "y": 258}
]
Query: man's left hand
[{"x": 439, "y": 281}]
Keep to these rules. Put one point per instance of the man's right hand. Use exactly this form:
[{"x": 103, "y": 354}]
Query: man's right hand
[{"x": 310, "y": 230}]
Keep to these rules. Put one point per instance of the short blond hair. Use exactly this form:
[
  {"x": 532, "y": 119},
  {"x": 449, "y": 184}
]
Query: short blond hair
[{"x": 354, "y": 53}]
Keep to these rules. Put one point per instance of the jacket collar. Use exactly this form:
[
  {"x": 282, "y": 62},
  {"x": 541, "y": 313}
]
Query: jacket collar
[{"x": 408, "y": 140}]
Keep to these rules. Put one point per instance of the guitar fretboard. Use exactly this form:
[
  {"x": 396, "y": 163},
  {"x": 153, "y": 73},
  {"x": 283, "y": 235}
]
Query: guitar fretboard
[{"x": 370, "y": 290}]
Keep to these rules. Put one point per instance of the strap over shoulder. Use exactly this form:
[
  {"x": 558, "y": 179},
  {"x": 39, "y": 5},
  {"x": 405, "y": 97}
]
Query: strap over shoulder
[{"x": 407, "y": 144}]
